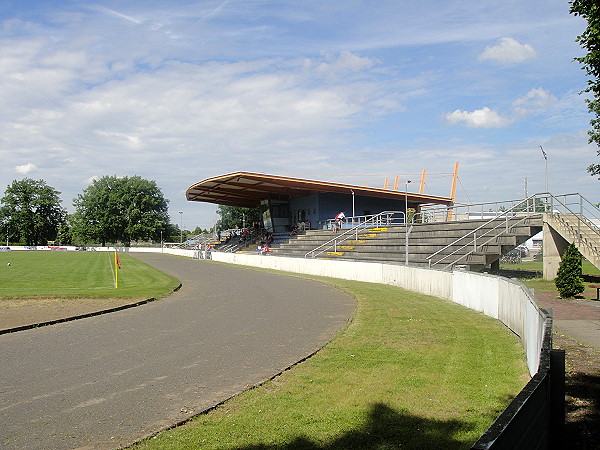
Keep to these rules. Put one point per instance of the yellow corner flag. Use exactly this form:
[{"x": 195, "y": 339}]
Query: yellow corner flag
[{"x": 117, "y": 267}]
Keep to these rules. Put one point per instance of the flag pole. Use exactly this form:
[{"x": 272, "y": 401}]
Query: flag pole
[{"x": 116, "y": 270}]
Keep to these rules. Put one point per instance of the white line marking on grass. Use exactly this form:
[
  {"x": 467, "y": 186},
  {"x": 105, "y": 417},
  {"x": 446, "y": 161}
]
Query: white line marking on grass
[{"x": 112, "y": 269}]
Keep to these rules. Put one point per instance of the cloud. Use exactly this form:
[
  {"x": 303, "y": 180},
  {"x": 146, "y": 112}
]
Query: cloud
[
  {"x": 345, "y": 62},
  {"x": 208, "y": 117},
  {"x": 534, "y": 101},
  {"x": 481, "y": 118},
  {"x": 181, "y": 91},
  {"x": 507, "y": 51},
  {"x": 91, "y": 179},
  {"x": 24, "y": 169},
  {"x": 114, "y": 13}
]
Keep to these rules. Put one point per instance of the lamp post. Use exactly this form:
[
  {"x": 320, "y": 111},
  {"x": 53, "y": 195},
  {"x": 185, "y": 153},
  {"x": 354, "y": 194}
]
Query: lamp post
[
  {"x": 546, "y": 164},
  {"x": 181, "y": 227},
  {"x": 353, "y": 215},
  {"x": 406, "y": 221}
]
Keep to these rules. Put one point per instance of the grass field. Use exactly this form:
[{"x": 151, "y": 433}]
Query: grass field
[
  {"x": 410, "y": 371},
  {"x": 46, "y": 274},
  {"x": 587, "y": 267}
]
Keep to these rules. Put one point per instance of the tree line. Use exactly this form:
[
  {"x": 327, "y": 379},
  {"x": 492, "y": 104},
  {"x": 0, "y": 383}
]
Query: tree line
[{"x": 110, "y": 210}]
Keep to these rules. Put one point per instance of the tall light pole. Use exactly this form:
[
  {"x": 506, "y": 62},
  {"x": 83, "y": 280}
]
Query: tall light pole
[
  {"x": 181, "y": 228},
  {"x": 406, "y": 221},
  {"x": 546, "y": 163},
  {"x": 352, "y": 190}
]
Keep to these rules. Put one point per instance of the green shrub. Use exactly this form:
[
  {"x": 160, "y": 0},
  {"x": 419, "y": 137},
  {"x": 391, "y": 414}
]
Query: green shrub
[{"x": 569, "y": 281}]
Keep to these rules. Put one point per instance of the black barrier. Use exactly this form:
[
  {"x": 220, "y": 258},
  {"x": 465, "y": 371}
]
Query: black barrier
[{"x": 535, "y": 418}]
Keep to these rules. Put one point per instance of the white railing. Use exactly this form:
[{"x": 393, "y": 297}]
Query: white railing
[
  {"x": 358, "y": 221},
  {"x": 386, "y": 218},
  {"x": 572, "y": 204},
  {"x": 537, "y": 203},
  {"x": 180, "y": 245},
  {"x": 483, "y": 235},
  {"x": 585, "y": 215}
]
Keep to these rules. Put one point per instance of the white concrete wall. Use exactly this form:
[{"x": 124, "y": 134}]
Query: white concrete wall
[
  {"x": 432, "y": 282},
  {"x": 476, "y": 291},
  {"x": 503, "y": 299}
]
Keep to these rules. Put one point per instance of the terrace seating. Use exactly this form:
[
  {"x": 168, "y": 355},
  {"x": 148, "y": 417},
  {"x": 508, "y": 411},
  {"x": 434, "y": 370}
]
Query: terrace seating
[
  {"x": 387, "y": 244},
  {"x": 476, "y": 239}
]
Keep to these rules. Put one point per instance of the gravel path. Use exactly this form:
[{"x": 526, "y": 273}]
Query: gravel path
[{"x": 105, "y": 381}]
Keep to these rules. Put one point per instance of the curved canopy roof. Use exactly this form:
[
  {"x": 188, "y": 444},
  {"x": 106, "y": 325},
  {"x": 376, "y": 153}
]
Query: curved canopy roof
[{"x": 247, "y": 189}]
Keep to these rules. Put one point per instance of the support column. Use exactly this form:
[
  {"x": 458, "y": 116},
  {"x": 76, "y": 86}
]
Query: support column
[
  {"x": 553, "y": 248},
  {"x": 495, "y": 267}
]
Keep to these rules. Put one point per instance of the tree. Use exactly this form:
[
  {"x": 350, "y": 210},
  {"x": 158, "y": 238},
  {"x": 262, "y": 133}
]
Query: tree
[
  {"x": 232, "y": 216},
  {"x": 568, "y": 280},
  {"x": 63, "y": 235},
  {"x": 199, "y": 230},
  {"x": 171, "y": 233},
  {"x": 119, "y": 209},
  {"x": 31, "y": 212},
  {"x": 531, "y": 205},
  {"x": 590, "y": 41}
]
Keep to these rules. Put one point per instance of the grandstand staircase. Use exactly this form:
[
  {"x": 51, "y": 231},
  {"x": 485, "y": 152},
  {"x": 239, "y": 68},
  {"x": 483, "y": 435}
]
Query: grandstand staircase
[
  {"x": 469, "y": 241},
  {"x": 452, "y": 243},
  {"x": 575, "y": 228}
]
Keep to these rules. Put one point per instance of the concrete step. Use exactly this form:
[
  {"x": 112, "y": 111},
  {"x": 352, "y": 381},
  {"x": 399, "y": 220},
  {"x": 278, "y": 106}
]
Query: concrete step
[
  {"x": 387, "y": 257},
  {"x": 575, "y": 230},
  {"x": 386, "y": 244}
]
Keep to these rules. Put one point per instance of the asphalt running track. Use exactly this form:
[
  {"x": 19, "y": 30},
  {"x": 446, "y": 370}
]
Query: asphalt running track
[{"x": 106, "y": 381}]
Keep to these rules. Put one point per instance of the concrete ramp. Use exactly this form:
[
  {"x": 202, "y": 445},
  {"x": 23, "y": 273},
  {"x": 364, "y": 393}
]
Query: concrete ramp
[{"x": 560, "y": 230}]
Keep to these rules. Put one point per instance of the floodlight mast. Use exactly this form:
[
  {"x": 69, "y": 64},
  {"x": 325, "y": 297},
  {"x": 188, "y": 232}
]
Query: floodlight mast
[
  {"x": 406, "y": 221},
  {"x": 181, "y": 228},
  {"x": 546, "y": 164}
]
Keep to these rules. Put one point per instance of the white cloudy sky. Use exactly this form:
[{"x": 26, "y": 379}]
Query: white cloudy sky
[{"x": 354, "y": 91}]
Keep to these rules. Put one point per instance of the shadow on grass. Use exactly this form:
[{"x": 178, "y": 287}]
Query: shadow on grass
[
  {"x": 387, "y": 429},
  {"x": 582, "y": 427}
]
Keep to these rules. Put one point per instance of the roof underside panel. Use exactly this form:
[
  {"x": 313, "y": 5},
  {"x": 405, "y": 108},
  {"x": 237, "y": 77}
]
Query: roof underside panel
[{"x": 248, "y": 189}]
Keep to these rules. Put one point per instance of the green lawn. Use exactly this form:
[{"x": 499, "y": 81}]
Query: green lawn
[
  {"x": 78, "y": 274},
  {"x": 410, "y": 371},
  {"x": 587, "y": 267}
]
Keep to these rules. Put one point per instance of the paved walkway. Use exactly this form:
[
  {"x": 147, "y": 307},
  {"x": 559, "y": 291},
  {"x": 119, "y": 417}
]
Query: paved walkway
[
  {"x": 579, "y": 319},
  {"x": 105, "y": 381}
]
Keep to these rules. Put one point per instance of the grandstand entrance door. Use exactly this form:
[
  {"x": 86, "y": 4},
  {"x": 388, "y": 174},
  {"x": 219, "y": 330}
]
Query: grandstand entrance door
[{"x": 276, "y": 215}]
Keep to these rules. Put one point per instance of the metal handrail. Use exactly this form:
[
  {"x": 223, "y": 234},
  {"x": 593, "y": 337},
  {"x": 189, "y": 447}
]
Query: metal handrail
[
  {"x": 541, "y": 203},
  {"x": 383, "y": 218},
  {"x": 180, "y": 245},
  {"x": 506, "y": 214},
  {"x": 353, "y": 221},
  {"x": 583, "y": 206},
  {"x": 581, "y": 239},
  {"x": 201, "y": 239},
  {"x": 484, "y": 210}
]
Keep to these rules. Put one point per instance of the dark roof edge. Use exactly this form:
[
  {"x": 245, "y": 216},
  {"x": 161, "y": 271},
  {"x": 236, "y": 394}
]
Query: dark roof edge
[{"x": 320, "y": 186}]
